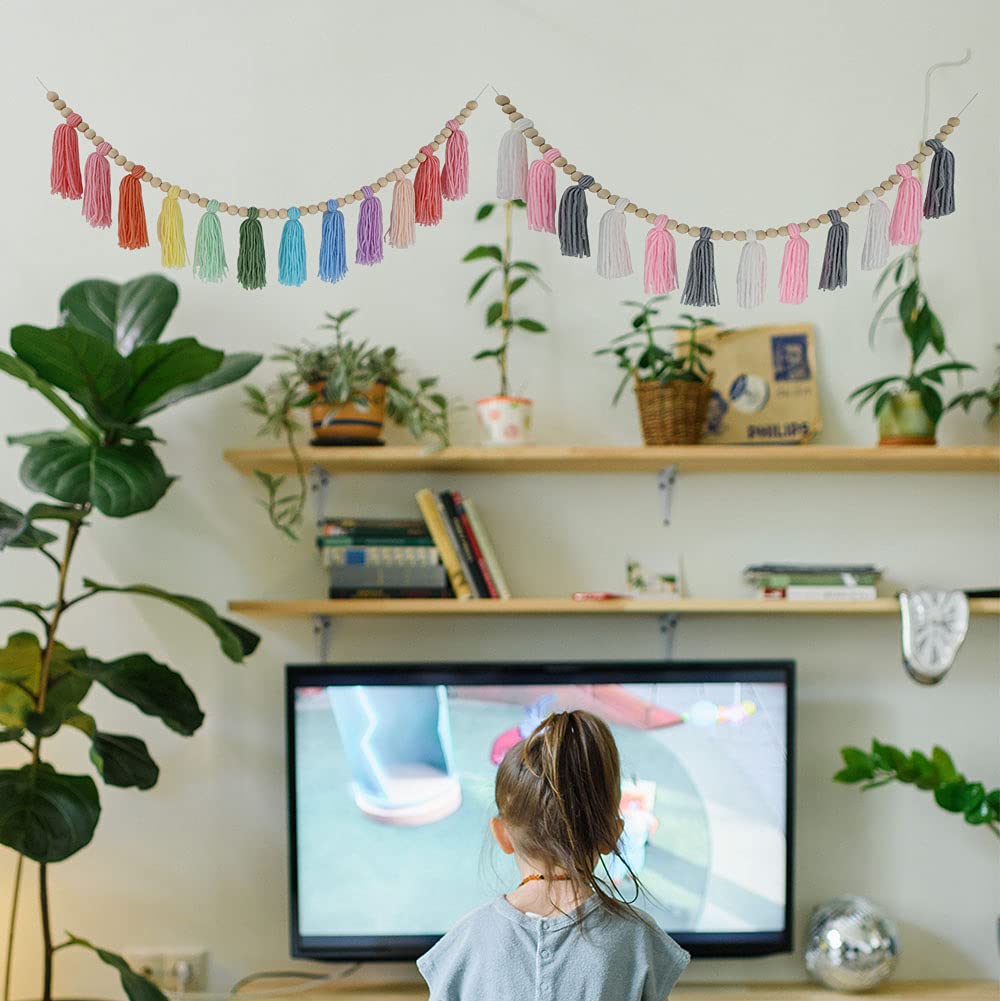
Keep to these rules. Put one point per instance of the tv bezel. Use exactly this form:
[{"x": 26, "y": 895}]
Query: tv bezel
[{"x": 394, "y": 948}]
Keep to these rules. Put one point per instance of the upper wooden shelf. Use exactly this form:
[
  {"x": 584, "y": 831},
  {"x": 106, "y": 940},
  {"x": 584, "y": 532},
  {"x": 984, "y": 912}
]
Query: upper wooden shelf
[
  {"x": 641, "y": 459},
  {"x": 305, "y": 607}
]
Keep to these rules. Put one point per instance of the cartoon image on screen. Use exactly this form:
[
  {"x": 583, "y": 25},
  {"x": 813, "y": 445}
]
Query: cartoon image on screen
[{"x": 394, "y": 789}]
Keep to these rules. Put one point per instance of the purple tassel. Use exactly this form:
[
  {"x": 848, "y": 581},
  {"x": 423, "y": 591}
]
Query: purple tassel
[{"x": 369, "y": 229}]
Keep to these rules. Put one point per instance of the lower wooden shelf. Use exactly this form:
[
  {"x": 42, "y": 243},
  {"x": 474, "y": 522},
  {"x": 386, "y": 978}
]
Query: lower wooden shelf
[{"x": 295, "y": 608}]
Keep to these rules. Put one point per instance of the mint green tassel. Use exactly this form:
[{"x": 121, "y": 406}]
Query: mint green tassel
[
  {"x": 251, "y": 270},
  {"x": 209, "y": 250}
]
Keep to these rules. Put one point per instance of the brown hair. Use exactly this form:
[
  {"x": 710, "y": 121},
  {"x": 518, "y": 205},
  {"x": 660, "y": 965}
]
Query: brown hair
[{"x": 558, "y": 792}]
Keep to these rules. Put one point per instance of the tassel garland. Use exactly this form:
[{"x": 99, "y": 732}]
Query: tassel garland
[
  {"x": 700, "y": 286},
  {"x": 65, "y": 172},
  {"x": 875, "y": 252},
  {"x": 209, "y": 251},
  {"x": 574, "y": 240},
  {"x": 251, "y": 269},
  {"x": 455, "y": 172},
  {"x": 904, "y": 227},
  {"x": 170, "y": 231},
  {"x": 541, "y": 193},
  {"x": 512, "y": 162},
  {"x": 793, "y": 282},
  {"x": 751, "y": 274},
  {"x": 132, "y": 233},
  {"x": 97, "y": 187},
  {"x": 333, "y": 244},
  {"x": 292, "y": 250},
  {"x": 660, "y": 271},
  {"x": 427, "y": 189},
  {"x": 613, "y": 257},
  {"x": 402, "y": 221},
  {"x": 833, "y": 273},
  {"x": 940, "y": 198},
  {"x": 369, "y": 229}
]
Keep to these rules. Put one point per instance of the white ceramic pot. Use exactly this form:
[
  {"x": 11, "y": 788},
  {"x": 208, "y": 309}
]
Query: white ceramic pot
[{"x": 505, "y": 420}]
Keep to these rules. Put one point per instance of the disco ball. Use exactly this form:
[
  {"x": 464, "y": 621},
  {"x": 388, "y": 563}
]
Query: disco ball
[{"x": 850, "y": 945}]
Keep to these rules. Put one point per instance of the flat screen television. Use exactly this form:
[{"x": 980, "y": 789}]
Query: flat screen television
[{"x": 390, "y": 781}]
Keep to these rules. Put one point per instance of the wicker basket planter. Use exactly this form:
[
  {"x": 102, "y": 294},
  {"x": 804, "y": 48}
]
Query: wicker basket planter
[{"x": 672, "y": 413}]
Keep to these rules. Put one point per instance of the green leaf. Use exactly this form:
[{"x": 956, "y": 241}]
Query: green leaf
[
  {"x": 45, "y": 815},
  {"x": 236, "y": 642},
  {"x": 16, "y": 530},
  {"x": 951, "y": 796},
  {"x": 9, "y": 734},
  {"x": 945, "y": 766},
  {"x": 152, "y": 687},
  {"x": 933, "y": 404},
  {"x": 532, "y": 325},
  {"x": 123, "y": 761},
  {"x": 927, "y": 777},
  {"x": 974, "y": 803},
  {"x": 127, "y": 315},
  {"x": 877, "y": 318},
  {"x": 936, "y": 331},
  {"x": 851, "y": 775},
  {"x": 525, "y": 266},
  {"x": 484, "y": 250},
  {"x": 20, "y": 679},
  {"x": 919, "y": 332},
  {"x": 493, "y": 312},
  {"x": 858, "y": 762},
  {"x": 484, "y": 211},
  {"x": 478, "y": 284},
  {"x": 516, "y": 284},
  {"x": 157, "y": 369},
  {"x": 21, "y": 370},
  {"x": 890, "y": 758},
  {"x": 119, "y": 480},
  {"x": 907, "y": 304},
  {"x": 487, "y": 354},
  {"x": 233, "y": 368},
  {"x": 136, "y": 987}
]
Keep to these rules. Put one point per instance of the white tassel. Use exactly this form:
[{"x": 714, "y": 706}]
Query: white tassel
[
  {"x": 512, "y": 162},
  {"x": 876, "y": 249},
  {"x": 613, "y": 257},
  {"x": 751, "y": 275}
]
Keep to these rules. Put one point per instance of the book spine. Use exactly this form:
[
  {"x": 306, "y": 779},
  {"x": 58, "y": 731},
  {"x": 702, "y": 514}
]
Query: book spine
[
  {"x": 477, "y": 552},
  {"x": 453, "y": 525},
  {"x": 334, "y": 541},
  {"x": 379, "y": 556},
  {"x": 800, "y": 593},
  {"x": 435, "y": 525},
  {"x": 388, "y": 592},
  {"x": 360, "y": 526},
  {"x": 486, "y": 545}
]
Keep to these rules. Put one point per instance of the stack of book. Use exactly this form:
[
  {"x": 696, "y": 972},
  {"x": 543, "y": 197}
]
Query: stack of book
[
  {"x": 814, "y": 581},
  {"x": 446, "y": 553}
]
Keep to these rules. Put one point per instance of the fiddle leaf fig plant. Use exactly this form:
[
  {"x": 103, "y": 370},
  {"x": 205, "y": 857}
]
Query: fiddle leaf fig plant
[{"x": 106, "y": 372}]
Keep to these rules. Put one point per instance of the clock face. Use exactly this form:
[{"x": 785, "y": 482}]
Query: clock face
[{"x": 934, "y": 626}]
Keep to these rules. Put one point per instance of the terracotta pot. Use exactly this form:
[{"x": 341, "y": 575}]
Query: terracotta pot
[
  {"x": 505, "y": 420},
  {"x": 348, "y": 423},
  {"x": 904, "y": 421}
]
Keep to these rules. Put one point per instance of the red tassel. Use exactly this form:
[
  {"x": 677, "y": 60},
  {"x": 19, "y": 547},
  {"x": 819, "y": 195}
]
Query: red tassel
[
  {"x": 131, "y": 211},
  {"x": 455, "y": 173},
  {"x": 427, "y": 189},
  {"x": 97, "y": 187},
  {"x": 65, "y": 173}
]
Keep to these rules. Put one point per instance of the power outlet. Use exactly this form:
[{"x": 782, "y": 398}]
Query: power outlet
[{"x": 181, "y": 970}]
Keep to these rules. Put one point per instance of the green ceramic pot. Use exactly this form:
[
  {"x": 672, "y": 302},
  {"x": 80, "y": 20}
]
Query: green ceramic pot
[{"x": 904, "y": 421}]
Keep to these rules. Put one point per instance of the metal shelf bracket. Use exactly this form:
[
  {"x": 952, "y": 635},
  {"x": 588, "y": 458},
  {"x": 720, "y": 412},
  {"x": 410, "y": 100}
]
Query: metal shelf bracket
[
  {"x": 668, "y": 630},
  {"x": 322, "y": 628},
  {"x": 665, "y": 480}
]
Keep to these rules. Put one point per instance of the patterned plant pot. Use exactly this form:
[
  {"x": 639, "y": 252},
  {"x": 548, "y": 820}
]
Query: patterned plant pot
[
  {"x": 348, "y": 423},
  {"x": 904, "y": 421},
  {"x": 505, "y": 420}
]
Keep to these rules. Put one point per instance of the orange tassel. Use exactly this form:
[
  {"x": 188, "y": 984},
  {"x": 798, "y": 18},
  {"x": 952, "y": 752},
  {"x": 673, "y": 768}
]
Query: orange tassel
[{"x": 132, "y": 233}]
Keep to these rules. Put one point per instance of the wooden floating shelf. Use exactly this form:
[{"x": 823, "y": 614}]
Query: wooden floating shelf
[
  {"x": 567, "y": 606},
  {"x": 642, "y": 459}
]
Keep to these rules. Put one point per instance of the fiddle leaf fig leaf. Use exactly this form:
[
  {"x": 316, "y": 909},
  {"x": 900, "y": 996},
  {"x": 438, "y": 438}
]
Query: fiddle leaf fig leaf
[
  {"x": 123, "y": 761},
  {"x": 136, "y": 986},
  {"x": 17, "y": 531},
  {"x": 232, "y": 368}
]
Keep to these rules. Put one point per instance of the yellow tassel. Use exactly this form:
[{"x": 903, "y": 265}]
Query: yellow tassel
[{"x": 170, "y": 230}]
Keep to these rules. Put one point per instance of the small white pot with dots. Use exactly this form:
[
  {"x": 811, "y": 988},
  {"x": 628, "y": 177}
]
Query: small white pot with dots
[{"x": 505, "y": 420}]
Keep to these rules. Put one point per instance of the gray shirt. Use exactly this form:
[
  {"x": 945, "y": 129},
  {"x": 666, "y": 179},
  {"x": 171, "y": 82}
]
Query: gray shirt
[{"x": 498, "y": 953}]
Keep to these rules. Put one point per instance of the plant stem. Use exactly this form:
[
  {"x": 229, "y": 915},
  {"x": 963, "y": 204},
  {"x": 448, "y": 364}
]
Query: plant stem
[
  {"x": 505, "y": 303},
  {"x": 8, "y": 969},
  {"x": 43, "y": 896}
]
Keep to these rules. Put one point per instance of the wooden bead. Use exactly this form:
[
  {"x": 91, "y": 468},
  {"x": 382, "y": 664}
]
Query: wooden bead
[
  {"x": 272, "y": 213},
  {"x": 530, "y": 133},
  {"x": 183, "y": 193},
  {"x": 941, "y": 136},
  {"x": 232, "y": 209},
  {"x": 862, "y": 200},
  {"x": 82, "y": 127},
  {"x": 545, "y": 147},
  {"x": 516, "y": 116},
  {"x": 772, "y": 232},
  {"x": 603, "y": 193},
  {"x": 954, "y": 121},
  {"x": 464, "y": 113},
  {"x": 912, "y": 164},
  {"x": 128, "y": 165},
  {"x": 446, "y": 132},
  {"x": 641, "y": 213},
  {"x": 415, "y": 162},
  {"x": 576, "y": 175},
  {"x": 682, "y": 227},
  {"x": 894, "y": 178},
  {"x": 359, "y": 195},
  {"x": 349, "y": 199},
  {"x": 716, "y": 234},
  {"x": 434, "y": 145},
  {"x": 120, "y": 160},
  {"x": 472, "y": 105},
  {"x": 739, "y": 236},
  {"x": 925, "y": 149},
  {"x": 89, "y": 134},
  {"x": 508, "y": 109},
  {"x": 341, "y": 202},
  {"x": 538, "y": 141},
  {"x": 420, "y": 158},
  {"x": 631, "y": 207},
  {"x": 203, "y": 202},
  {"x": 58, "y": 104},
  {"x": 853, "y": 206},
  {"x": 947, "y": 129},
  {"x": 244, "y": 211},
  {"x": 594, "y": 188},
  {"x": 282, "y": 213},
  {"x": 568, "y": 168},
  {"x": 728, "y": 235},
  {"x": 112, "y": 153},
  {"x": 559, "y": 161},
  {"x": 919, "y": 157},
  {"x": 155, "y": 182},
  {"x": 824, "y": 219},
  {"x": 67, "y": 111},
  {"x": 439, "y": 138},
  {"x": 313, "y": 209},
  {"x": 501, "y": 99},
  {"x": 782, "y": 231},
  {"x": 52, "y": 96}
]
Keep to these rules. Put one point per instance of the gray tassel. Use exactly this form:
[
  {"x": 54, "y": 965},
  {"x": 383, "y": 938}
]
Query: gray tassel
[
  {"x": 574, "y": 240},
  {"x": 834, "y": 272},
  {"x": 700, "y": 288},
  {"x": 940, "y": 197}
]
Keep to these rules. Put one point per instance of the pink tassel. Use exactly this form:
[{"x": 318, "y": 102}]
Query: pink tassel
[
  {"x": 660, "y": 273},
  {"x": 65, "y": 173},
  {"x": 541, "y": 193},
  {"x": 427, "y": 189},
  {"x": 455, "y": 173},
  {"x": 402, "y": 222},
  {"x": 793, "y": 284},
  {"x": 97, "y": 188},
  {"x": 904, "y": 227}
]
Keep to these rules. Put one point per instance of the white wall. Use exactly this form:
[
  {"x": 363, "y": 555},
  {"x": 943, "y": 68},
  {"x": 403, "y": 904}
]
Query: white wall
[{"x": 729, "y": 112}]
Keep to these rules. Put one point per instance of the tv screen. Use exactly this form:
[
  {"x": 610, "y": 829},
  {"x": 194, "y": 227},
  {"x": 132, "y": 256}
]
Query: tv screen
[{"x": 391, "y": 772}]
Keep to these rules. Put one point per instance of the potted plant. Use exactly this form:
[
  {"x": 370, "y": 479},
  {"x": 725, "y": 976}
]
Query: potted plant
[
  {"x": 505, "y": 419},
  {"x": 350, "y": 388},
  {"x": 909, "y": 406},
  {"x": 106, "y": 372},
  {"x": 672, "y": 383}
]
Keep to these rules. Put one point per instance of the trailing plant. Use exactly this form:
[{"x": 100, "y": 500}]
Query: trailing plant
[
  {"x": 513, "y": 276},
  {"x": 642, "y": 359},
  {"x": 106, "y": 371},
  {"x": 990, "y": 395},
  {"x": 936, "y": 774},
  {"x": 337, "y": 373},
  {"x": 922, "y": 330}
]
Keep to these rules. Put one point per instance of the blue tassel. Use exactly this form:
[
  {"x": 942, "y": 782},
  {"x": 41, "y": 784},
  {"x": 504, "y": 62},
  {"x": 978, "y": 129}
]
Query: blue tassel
[
  {"x": 333, "y": 245},
  {"x": 292, "y": 251}
]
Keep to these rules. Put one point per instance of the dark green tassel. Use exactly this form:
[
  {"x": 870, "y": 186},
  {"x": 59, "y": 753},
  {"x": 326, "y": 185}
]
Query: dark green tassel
[{"x": 251, "y": 270}]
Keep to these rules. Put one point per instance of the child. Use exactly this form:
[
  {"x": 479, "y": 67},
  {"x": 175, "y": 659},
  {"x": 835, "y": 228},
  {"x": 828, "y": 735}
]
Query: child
[{"x": 562, "y": 934}]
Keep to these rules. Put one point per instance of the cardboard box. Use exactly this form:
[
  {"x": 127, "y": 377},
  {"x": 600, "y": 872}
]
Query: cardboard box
[{"x": 765, "y": 390}]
